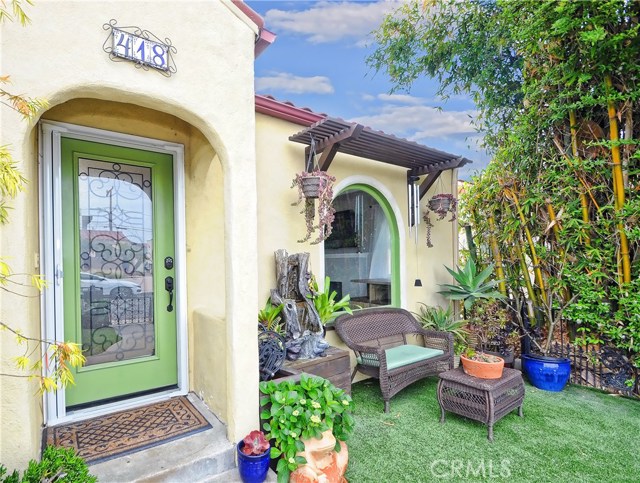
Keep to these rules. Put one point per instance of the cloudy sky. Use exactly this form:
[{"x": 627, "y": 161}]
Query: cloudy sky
[{"x": 318, "y": 61}]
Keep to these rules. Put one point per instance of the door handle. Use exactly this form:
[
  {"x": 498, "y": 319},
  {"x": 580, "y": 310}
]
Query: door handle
[{"x": 168, "y": 286}]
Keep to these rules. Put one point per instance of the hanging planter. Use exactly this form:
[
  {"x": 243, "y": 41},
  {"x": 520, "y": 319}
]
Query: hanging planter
[
  {"x": 318, "y": 216},
  {"x": 311, "y": 185},
  {"x": 440, "y": 204},
  {"x": 314, "y": 184}
]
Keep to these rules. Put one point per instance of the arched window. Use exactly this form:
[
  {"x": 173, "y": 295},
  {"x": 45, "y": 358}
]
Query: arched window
[{"x": 361, "y": 256}]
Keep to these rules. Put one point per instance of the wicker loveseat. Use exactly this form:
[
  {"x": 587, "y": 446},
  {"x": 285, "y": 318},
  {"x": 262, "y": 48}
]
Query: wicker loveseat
[{"x": 384, "y": 349}]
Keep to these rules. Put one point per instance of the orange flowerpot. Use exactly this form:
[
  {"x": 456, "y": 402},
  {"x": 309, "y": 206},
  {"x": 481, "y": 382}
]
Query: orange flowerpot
[{"x": 482, "y": 370}]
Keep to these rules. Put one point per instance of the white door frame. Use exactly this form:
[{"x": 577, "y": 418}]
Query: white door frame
[{"x": 51, "y": 133}]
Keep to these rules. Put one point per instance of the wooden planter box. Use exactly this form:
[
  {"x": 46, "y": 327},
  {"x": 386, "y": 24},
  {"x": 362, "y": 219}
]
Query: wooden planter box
[{"x": 335, "y": 366}]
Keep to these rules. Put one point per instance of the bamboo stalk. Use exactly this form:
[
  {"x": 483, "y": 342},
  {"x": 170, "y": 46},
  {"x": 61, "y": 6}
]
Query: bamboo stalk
[
  {"x": 472, "y": 244},
  {"x": 519, "y": 249},
  {"x": 555, "y": 226},
  {"x": 584, "y": 202},
  {"x": 585, "y": 217},
  {"x": 618, "y": 183},
  {"x": 524, "y": 269},
  {"x": 566, "y": 295},
  {"x": 534, "y": 255},
  {"x": 618, "y": 179},
  {"x": 493, "y": 241}
]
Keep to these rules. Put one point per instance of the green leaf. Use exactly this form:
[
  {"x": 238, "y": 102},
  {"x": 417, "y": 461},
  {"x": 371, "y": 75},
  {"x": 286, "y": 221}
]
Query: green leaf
[{"x": 275, "y": 453}]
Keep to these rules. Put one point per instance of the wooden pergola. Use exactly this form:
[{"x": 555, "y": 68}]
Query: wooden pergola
[{"x": 332, "y": 135}]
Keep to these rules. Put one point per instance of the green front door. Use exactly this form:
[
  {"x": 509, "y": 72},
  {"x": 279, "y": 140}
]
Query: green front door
[{"x": 118, "y": 270}]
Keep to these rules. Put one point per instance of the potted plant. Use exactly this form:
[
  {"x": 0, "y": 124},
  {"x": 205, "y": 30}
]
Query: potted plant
[
  {"x": 481, "y": 364},
  {"x": 544, "y": 371},
  {"x": 443, "y": 203},
  {"x": 472, "y": 285},
  {"x": 298, "y": 411},
  {"x": 440, "y": 204},
  {"x": 254, "y": 452},
  {"x": 318, "y": 185},
  {"x": 492, "y": 330},
  {"x": 441, "y": 319}
]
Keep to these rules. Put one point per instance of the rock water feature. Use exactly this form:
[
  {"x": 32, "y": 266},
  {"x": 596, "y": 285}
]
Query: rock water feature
[{"x": 304, "y": 330}]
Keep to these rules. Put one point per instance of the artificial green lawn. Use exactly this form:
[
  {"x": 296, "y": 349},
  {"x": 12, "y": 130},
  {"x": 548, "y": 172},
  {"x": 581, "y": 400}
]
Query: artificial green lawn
[{"x": 576, "y": 435}]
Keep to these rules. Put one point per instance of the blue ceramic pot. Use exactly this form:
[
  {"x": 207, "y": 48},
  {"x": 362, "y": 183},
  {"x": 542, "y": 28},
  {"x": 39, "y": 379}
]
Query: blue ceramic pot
[
  {"x": 253, "y": 469},
  {"x": 546, "y": 373}
]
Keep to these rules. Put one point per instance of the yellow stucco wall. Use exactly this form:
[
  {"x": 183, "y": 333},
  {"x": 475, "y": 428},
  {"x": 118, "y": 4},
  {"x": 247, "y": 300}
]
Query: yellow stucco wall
[
  {"x": 207, "y": 106},
  {"x": 278, "y": 161}
]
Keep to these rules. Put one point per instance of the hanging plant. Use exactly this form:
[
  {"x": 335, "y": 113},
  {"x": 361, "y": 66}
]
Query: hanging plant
[
  {"x": 319, "y": 184},
  {"x": 440, "y": 204}
]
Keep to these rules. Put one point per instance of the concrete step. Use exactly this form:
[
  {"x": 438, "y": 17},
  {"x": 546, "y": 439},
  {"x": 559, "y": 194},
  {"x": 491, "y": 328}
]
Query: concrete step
[
  {"x": 232, "y": 476},
  {"x": 186, "y": 460}
]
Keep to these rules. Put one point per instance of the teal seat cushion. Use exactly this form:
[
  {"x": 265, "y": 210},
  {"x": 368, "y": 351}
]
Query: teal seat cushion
[{"x": 403, "y": 355}]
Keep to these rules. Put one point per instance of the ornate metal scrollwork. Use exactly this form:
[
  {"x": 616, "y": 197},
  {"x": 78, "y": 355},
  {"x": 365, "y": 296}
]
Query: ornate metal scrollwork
[
  {"x": 272, "y": 352},
  {"x": 115, "y": 252},
  {"x": 166, "y": 67}
]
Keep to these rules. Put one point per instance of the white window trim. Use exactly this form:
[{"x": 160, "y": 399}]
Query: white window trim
[{"x": 51, "y": 133}]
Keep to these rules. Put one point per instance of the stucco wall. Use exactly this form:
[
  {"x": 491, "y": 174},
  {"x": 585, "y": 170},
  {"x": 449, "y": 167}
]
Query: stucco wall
[
  {"x": 59, "y": 57},
  {"x": 278, "y": 161}
]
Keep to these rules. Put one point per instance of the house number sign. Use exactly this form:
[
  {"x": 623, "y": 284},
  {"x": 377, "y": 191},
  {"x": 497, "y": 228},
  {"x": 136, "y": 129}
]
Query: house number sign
[
  {"x": 136, "y": 48},
  {"x": 141, "y": 47}
]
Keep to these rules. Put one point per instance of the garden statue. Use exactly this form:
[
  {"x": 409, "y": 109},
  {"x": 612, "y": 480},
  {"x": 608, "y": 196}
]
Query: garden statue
[
  {"x": 324, "y": 464},
  {"x": 304, "y": 330}
]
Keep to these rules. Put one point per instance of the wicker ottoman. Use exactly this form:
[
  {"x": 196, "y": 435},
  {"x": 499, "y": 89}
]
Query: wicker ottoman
[{"x": 485, "y": 400}]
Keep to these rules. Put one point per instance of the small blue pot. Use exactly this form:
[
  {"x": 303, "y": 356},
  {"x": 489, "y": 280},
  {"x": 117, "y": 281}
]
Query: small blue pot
[
  {"x": 547, "y": 373},
  {"x": 253, "y": 469}
]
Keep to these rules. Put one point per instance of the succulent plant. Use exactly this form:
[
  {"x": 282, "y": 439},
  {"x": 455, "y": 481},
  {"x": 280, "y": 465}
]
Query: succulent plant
[{"x": 255, "y": 443}]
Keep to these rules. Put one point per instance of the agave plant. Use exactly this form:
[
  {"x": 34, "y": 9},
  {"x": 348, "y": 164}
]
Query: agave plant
[
  {"x": 437, "y": 318},
  {"x": 471, "y": 285}
]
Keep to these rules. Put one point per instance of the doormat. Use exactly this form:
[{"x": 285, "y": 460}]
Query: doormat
[{"x": 117, "y": 434}]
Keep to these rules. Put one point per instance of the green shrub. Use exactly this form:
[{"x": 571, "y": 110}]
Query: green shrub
[{"x": 59, "y": 465}]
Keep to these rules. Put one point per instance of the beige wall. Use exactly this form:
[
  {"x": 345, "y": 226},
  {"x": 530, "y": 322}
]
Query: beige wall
[
  {"x": 278, "y": 161},
  {"x": 209, "y": 107}
]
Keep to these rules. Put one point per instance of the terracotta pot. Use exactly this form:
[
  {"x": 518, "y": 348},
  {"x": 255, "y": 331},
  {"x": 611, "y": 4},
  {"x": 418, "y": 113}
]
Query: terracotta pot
[
  {"x": 311, "y": 186},
  {"x": 482, "y": 370}
]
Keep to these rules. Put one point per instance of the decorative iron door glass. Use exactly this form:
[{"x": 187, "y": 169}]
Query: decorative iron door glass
[{"x": 116, "y": 261}]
